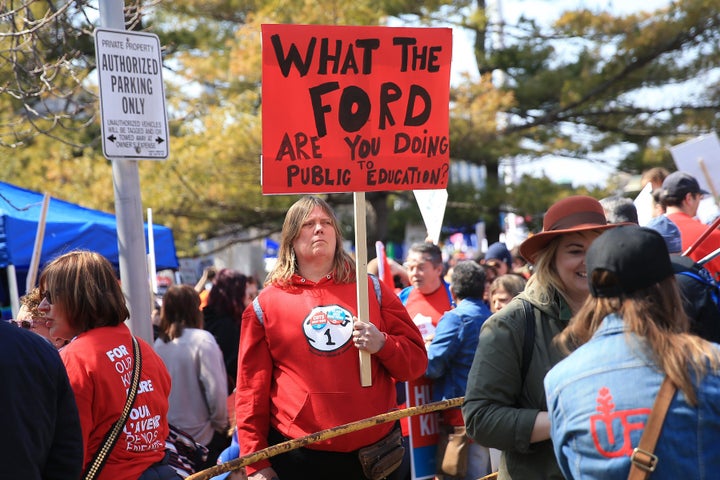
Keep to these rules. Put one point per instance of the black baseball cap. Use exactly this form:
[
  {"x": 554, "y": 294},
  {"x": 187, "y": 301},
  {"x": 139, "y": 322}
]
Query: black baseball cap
[
  {"x": 679, "y": 184},
  {"x": 637, "y": 256}
]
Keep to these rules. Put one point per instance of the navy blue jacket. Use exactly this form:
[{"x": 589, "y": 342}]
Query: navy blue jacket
[{"x": 41, "y": 429}]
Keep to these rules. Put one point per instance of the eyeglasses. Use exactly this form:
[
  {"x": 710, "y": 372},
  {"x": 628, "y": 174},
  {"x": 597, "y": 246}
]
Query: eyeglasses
[
  {"x": 26, "y": 324},
  {"x": 47, "y": 296}
]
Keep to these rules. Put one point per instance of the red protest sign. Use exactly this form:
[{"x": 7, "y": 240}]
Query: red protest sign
[{"x": 355, "y": 109}]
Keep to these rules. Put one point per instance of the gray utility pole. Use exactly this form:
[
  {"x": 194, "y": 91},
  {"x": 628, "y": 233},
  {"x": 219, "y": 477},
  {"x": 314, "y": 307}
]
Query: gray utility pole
[{"x": 128, "y": 211}]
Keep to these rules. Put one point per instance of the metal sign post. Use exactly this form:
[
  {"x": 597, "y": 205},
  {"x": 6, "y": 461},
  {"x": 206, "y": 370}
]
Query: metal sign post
[{"x": 128, "y": 205}]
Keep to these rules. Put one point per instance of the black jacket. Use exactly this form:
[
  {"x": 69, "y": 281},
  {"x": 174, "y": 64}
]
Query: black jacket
[
  {"x": 227, "y": 335},
  {"x": 697, "y": 294},
  {"x": 41, "y": 428}
]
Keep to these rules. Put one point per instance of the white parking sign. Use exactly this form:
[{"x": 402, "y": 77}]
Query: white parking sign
[{"x": 132, "y": 95}]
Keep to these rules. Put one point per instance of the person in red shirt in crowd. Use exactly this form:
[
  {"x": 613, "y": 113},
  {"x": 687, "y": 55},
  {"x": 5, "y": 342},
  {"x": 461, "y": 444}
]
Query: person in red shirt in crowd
[
  {"x": 82, "y": 302},
  {"x": 426, "y": 299},
  {"x": 681, "y": 195},
  {"x": 298, "y": 367},
  {"x": 428, "y": 296}
]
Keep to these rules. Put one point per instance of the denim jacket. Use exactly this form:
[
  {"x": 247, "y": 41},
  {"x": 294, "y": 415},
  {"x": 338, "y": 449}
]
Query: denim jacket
[
  {"x": 452, "y": 349},
  {"x": 599, "y": 399}
]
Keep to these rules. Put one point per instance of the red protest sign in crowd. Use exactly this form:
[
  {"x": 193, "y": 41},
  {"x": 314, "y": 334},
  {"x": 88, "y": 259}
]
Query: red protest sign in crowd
[{"x": 355, "y": 109}]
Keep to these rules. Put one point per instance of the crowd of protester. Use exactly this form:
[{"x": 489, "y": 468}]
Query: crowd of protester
[{"x": 559, "y": 348}]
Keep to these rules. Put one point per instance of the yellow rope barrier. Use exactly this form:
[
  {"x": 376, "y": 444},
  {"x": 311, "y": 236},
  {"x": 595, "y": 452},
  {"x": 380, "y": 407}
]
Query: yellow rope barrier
[{"x": 296, "y": 443}]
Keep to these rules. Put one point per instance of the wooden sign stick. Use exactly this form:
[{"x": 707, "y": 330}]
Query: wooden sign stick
[
  {"x": 708, "y": 179},
  {"x": 361, "y": 280},
  {"x": 37, "y": 248},
  {"x": 332, "y": 432}
]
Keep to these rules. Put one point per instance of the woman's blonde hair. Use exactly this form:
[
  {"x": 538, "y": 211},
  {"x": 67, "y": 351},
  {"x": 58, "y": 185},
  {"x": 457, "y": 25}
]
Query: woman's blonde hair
[
  {"x": 655, "y": 314},
  {"x": 31, "y": 301},
  {"x": 545, "y": 281},
  {"x": 286, "y": 265}
]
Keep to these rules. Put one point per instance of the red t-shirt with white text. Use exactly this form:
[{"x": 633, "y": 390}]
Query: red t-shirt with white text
[{"x": 99, "y": 364}]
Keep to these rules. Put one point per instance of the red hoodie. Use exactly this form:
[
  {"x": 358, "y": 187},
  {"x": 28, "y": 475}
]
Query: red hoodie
[{"x": 298, "y": 370}]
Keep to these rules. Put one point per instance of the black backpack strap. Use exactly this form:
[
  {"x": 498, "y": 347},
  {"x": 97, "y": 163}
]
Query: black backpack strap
[{"x": 529, "y": 340}]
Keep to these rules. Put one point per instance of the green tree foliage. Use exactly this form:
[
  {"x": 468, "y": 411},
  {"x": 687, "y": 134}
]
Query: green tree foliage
[
  {"x": 576, "y": 88},
  {"x": 49, "y": 118},
  {"x": 211, "y": 183},
  {"x": 592, "y": 81}
]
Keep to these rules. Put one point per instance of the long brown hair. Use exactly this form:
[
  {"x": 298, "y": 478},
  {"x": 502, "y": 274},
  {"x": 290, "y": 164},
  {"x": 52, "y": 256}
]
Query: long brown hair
[
  {"x": 286, "y": 265},
  {"x": 227, "y": 295},
  {"x": 654, "y": 314}
]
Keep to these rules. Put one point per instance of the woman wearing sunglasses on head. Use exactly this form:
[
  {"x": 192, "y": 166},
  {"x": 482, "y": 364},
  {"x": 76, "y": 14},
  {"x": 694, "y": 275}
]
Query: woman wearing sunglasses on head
[{"x": 82, "y": 302}]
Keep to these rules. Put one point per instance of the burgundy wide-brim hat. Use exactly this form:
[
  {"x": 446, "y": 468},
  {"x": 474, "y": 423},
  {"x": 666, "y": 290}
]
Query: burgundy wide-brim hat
[{"x": 576, "y": 213}]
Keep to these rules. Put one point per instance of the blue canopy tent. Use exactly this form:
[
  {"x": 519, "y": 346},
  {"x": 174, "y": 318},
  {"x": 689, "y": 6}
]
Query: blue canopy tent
[{"x": 67, "y": 227}]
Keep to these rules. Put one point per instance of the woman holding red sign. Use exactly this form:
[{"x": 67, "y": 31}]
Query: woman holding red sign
[{"x": 298, "y": 369}]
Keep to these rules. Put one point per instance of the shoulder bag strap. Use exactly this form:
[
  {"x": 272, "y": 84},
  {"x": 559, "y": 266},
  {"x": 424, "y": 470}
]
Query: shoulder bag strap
[
  {"x": 643, "y": 461},
  {"x": 529, "y": 339},
  {"x": 111, "y": 437}
]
